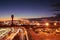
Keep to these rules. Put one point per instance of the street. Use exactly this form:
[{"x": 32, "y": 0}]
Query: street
[{"x": 21, "y": 33}]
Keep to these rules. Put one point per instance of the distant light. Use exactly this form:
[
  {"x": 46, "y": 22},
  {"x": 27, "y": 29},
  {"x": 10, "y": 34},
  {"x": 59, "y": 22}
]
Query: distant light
[
  {"x": 57, "y": 30},
  {"x": 47, "y": 24},
  {"x": 55, "y": 24},
  {"x": 38, "y": 24}
]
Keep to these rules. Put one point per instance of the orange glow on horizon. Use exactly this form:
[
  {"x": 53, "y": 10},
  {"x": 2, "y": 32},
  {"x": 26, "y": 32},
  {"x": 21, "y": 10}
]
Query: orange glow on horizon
[{"x": 4, "y": 19}]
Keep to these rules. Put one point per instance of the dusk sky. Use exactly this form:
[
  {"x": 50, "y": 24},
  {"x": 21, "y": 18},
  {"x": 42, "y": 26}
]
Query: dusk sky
[{"x": 26, "y": 8}]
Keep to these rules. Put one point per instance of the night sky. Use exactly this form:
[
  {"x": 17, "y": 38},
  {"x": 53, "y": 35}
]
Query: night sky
[{"x": 26, "y": 8}]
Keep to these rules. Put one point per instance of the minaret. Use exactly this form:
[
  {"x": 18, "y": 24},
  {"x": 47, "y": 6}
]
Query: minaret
[{"x": 12, "y": 17}]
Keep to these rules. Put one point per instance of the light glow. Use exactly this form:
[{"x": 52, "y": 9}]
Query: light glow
[
  {"x": 47, "y": 24},
  {"x": 55, "y": 24},
  {"x": 38, "y": 24}
]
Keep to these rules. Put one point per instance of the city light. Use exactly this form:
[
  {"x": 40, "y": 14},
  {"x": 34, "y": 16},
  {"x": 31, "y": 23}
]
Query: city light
[
  {"x": 47, "y": 24},
  {"x": 55, "y": 24},
  {"x": 38, "y": 24},
  {"x": 29, "y": 20}
]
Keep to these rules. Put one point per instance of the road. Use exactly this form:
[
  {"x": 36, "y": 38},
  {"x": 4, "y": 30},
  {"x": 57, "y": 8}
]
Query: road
[
  {"x": 32, "y": 35},
  {"x": 18, "y": 33},
  {"x": 4, "y": 32},
  {"x": 13, "y": 33}
]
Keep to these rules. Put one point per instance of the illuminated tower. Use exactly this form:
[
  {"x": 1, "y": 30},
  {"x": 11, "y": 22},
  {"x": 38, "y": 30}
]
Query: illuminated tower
[{"x": 12, "y": 16}]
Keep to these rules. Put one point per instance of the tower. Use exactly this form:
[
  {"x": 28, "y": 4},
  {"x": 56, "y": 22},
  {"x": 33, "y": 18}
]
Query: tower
[{"x": 12, "y": 17}]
